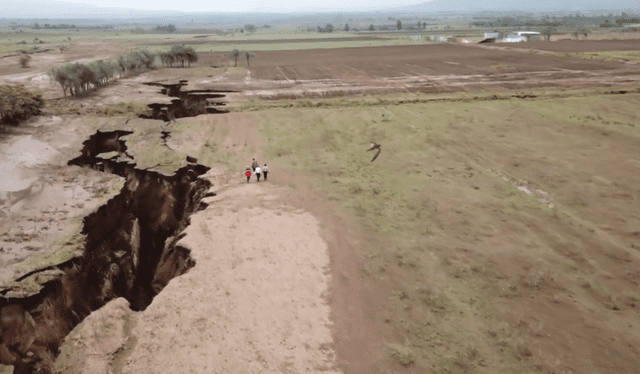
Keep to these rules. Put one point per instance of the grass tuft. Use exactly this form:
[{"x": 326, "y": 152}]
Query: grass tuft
[{"x": 402, "y": 354}]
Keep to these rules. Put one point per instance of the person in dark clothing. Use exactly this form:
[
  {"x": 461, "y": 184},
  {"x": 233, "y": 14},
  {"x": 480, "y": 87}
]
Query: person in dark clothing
[
  {"x": 265, "y": 170},
  {"x": 254, "y": 164}
]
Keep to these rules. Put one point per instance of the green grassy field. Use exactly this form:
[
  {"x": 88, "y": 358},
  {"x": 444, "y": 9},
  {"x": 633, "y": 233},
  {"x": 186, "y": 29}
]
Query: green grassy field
[
  {"x": 55, "y": 38},
  {"x": 284, "y": 46},
  {"x": 440, "y": 191}
]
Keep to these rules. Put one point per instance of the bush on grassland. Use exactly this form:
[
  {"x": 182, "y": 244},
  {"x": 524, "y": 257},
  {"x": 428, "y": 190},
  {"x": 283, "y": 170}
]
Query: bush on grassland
[
  {"x": 178, "y": 54},
  {"x": 17, "y": 104}
]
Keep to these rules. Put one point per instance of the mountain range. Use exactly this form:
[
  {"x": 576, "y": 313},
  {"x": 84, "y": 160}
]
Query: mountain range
[{"x": 54, "y": 9}]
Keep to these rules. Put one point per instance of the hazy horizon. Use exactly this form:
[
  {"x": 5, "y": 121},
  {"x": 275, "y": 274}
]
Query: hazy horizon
[
  {"x": 238, "y": 6},
  {"x": 57, "y": 9}
]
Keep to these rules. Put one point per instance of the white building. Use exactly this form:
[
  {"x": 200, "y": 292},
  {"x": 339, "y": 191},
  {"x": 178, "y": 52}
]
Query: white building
[{"x": 521, "y": 36}]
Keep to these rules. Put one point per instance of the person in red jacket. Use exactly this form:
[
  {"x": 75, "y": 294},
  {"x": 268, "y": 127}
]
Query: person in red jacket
[{"x": 247, "y": 172}]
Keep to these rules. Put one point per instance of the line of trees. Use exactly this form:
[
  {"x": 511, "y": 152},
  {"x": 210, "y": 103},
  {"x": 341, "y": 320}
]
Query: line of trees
[
  {"x": 328, "y": 28},
  {"x": 179, "y": 54},
  {"x": 162, "y": 29},
  {"x": 53, "y": 27},
  {"x": 79, "y": 77},
  {"x": 609, "y": 20},
  {"x": 17, "y": 104}
]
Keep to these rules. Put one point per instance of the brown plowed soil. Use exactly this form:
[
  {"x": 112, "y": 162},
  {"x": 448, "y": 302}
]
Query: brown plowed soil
[
  {"x": 579, "y": 45},
  {"x": 420, "y": 68},
  {"x": 377, "y": 62}
]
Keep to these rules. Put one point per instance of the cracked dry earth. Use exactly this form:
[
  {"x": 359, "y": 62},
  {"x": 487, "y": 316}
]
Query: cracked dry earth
[{"x": 254, "y": 302}]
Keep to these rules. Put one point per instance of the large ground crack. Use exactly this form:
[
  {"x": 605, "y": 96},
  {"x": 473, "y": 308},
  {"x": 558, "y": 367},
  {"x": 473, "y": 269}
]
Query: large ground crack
[
  {"x": 130, "y": 251},
  {"x": 187, "y": 103}
]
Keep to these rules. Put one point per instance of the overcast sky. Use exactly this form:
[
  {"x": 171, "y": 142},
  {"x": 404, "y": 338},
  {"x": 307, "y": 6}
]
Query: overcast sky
[{"x": 249, "y": 5}]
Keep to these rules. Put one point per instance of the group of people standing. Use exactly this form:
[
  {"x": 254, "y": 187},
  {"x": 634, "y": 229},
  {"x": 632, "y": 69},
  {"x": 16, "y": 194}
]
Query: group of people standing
[{"x": 255, "y": 167}]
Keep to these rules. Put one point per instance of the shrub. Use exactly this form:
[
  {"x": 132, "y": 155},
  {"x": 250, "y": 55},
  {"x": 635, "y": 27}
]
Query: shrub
[
  {"x": 24, "y": 60},
  {"x": 403, "y": 355},
  {"x": 18, "y": 104}
]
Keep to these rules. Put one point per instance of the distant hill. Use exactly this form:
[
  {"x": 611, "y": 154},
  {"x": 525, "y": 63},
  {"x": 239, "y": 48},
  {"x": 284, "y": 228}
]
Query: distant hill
[
  {"x": 510, "y": 5},
  {"x": 59, "y": 9}
]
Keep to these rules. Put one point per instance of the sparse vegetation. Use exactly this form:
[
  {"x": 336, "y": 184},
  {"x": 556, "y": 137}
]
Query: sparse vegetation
[{"x": 17, "y": 104}]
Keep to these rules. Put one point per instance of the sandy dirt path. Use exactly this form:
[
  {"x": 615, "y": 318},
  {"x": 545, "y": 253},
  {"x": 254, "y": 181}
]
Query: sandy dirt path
[{"x": 254, "y": 303}]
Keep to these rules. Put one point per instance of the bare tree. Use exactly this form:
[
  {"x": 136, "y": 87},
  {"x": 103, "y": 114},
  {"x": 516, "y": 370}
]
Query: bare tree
[{"x": 399, "y": 25}]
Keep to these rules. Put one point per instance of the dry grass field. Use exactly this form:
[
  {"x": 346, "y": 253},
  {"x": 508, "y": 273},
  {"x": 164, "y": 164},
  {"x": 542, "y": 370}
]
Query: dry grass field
[
  {"x": 497, "y": 232},
  {"x": 492, "y": 236}
]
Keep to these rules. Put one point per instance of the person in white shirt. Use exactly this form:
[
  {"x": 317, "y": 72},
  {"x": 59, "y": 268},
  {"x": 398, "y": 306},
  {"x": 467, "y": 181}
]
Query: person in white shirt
[
  {"x": 265, "y": 170},
  {"x": 258, "y": 173}
]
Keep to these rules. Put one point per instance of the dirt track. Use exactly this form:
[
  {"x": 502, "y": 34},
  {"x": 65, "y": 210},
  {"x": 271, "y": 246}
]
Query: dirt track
[{"x": 256, "y": 302}]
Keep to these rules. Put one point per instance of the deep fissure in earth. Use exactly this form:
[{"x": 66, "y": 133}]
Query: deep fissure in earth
[
  {"x": 131, "y": 250},
  {"x": 188, "y": 103}
]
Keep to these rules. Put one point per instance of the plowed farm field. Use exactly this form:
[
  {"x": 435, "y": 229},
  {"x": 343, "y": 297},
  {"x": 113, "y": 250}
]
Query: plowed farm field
[
  {"x": 570, "y": 46},
  {"x": 384, "y": 62}
]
